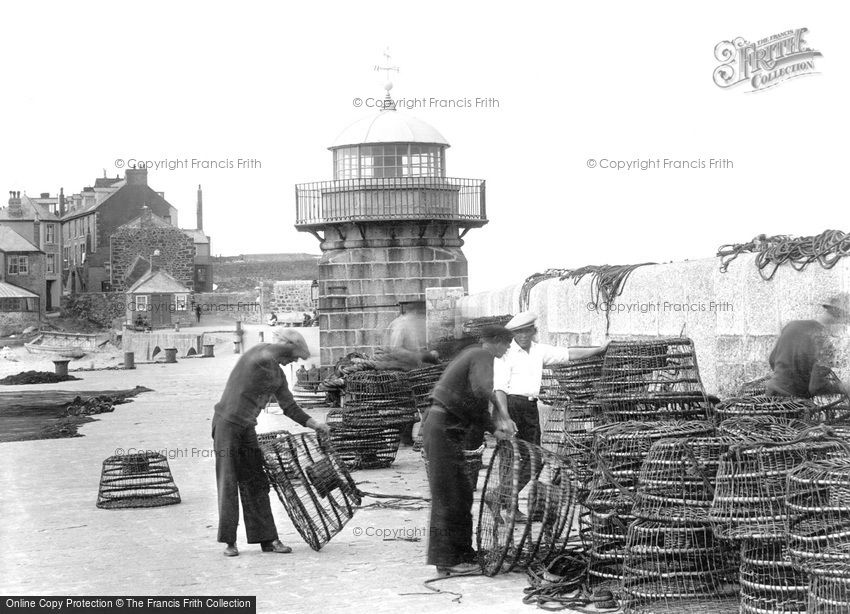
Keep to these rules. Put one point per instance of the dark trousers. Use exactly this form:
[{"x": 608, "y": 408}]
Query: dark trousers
[
  {"x": 450, "y": 533},
  {"x": 239, "y": 475},
  {"x": 527, "y": 418}
]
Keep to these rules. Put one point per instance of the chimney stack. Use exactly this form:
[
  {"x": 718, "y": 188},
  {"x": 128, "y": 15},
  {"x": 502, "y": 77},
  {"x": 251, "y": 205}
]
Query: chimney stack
[
  {"x": 15, "y": 204},
  {"x": 61, "y": 202},
  {"x": 200, "y": 208},
  {"x": 136, "y": 176}
]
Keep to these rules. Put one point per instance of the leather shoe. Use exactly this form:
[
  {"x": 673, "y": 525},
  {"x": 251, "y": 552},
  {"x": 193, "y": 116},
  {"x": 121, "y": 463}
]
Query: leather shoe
[
  {"x": 275, "y": 546},
  {"x": 459, "y": 569},
  {"x": 231, "y": 550}
]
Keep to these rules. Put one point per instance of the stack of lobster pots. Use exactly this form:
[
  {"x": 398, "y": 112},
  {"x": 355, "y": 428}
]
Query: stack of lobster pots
[
  {"x": 652, "y": 460},
  {"x": 366, "y": 432}
]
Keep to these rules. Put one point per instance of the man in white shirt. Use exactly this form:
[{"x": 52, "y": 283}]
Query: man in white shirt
[{"x": 518, "y": 374}]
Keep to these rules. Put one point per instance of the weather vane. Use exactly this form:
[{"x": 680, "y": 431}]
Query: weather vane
[{"x": 388, "y": 68}]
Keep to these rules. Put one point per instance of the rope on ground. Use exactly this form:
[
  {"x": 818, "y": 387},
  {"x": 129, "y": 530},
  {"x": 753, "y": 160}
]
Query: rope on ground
[
  {"x": 826, "y": 249},
  {"x": 437, "y": 591}
]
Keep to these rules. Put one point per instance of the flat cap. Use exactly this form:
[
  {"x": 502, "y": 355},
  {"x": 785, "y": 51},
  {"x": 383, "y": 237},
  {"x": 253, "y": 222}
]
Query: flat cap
[
  {"x": 838, "y": 305},
  {"x": 523, "y": 319},
  {"x": 496, "y": 332},
  {"x": 295, "y": 340}
]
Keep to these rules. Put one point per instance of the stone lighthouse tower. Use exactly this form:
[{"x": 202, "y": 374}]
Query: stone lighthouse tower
[{"x": 390, "y": 224}]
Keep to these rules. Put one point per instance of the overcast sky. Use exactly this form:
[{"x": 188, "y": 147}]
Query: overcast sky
[{"x": 86, "y": 84}]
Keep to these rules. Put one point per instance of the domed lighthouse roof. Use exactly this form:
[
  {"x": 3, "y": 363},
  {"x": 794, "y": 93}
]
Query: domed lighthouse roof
[{"x": 389, "y": 126}]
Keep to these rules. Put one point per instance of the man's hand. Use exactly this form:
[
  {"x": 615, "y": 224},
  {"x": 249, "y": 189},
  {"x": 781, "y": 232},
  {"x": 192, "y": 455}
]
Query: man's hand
[
  {"x": 320, "y": 427},
  {"x": 505, "y": 429}
]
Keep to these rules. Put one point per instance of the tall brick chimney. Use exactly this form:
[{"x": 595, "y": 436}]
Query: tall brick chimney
[
  {"x": 200, "y": 208},
  {"x": 136, "y": 176},
  {"x": 15, "y": 204},
  {"x": 61, "y": 202}
]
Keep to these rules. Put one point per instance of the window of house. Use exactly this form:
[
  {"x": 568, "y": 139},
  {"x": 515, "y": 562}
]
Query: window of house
[
  {"x": 66, "y": 257},
  {"x": 18, "y": 265},
  {"x": 51, "y": 263},
  {"x": 201, "y": 273},
  {"x": 180, "y": 302},
  {"x": 142, "y": 302},
  {"x": 50, "y": 233}
]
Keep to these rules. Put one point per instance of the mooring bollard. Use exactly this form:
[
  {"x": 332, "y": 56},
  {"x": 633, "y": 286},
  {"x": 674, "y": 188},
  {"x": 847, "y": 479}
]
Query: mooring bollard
[
  {"x": 209, "y": 350},
  {"x": 177, "y": 327},
  {"x": 237, "y": 339},
  {"x": 170, "y": 354},
  {"x": 61, "y": 367},
  {"x": 129, "y": 360},
  {"x": 262, "y": 337}
]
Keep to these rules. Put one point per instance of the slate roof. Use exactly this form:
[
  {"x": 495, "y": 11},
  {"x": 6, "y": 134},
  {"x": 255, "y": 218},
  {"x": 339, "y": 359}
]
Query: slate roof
[{"x": 11, "y": 241}]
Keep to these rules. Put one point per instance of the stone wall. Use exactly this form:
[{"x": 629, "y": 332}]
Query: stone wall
[
  {"x": 234, "y": 275},
  {"x": 442, "y": 320},
  {"x": 103, "y": 308},
  {"x": 290, "y": 296},
  {"x": 733, "y": 318},
  {"x": 177, "y": 251},
  {"x": 233, "y": 306},
  {"x": 14, "y": 322}
]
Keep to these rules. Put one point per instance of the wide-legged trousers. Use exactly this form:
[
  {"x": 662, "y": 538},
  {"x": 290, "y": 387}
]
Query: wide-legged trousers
[
  {"x": 450, "y": 530},
  {"x": 239, "y": 475}
]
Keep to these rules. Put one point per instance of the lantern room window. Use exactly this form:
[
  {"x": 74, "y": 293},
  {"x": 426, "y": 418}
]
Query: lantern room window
[{"x": 389, "y": 160}]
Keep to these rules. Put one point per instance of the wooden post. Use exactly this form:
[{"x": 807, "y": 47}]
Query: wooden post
[{"x": 129, "y": 360}]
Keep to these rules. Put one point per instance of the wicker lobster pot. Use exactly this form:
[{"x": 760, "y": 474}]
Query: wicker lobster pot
[
  {"x": 312, "y": 483},
  {"x": 677, "y": 479},
  {"x": 653, "y": 366},
  {"x": 363, "y": 447},
  {"x": 677, "y": 568},
  {"x": 778, "y": 407},
  {"x": 769, "y": 582},
  {"x": 818, "y": 518},
  {"x": 578, "y": 379},
  {"x": 619, "y": 451},
  {"x": 577, "y": 443},
  {"x": 552, "y": 434},
  {"x": 422, "y": 382},
  {"x": 638, "y": 405},
  {"x": 749, "y": 499},
  {"x": 604, "y": 535},
  {"x": 754, "y": 387},
  {"x": 473, "y": 327},
  {"x": 549, "y": 503},
  {"x": 829, "y": 594},
  {"x": 383, "y": 397},
  {"x": 472, "y": 463},
  {"x": 136, "y": 480}
]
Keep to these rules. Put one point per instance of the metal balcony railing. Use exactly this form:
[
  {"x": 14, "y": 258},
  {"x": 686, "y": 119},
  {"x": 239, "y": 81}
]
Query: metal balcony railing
[{"x": 389, "y": 199}]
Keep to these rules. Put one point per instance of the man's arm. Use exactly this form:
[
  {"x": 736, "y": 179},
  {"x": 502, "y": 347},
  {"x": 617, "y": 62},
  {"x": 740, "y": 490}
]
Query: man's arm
[
  {"x": 292, "y": 410},
  {"x": 553, "y": 355}
]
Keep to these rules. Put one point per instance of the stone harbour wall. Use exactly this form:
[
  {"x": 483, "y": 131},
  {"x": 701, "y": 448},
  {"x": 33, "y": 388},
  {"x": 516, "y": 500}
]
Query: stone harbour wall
[{"x": 733, "y": 318}]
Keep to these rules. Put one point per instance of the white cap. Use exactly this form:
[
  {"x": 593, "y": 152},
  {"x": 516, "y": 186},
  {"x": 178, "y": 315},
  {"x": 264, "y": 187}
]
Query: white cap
[{"x": 523, "y": 319}]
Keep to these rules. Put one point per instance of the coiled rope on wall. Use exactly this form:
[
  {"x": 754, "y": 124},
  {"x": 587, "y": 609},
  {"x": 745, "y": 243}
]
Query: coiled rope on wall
[
  {"x": 533, "y": 280},
  {"x": 827, "y": 249}
]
